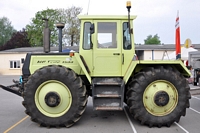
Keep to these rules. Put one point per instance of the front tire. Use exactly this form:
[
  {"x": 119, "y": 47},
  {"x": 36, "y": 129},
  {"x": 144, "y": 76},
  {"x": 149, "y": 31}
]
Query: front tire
[
  {"x": 55, "y": 96},
  {"x": 158, "y": 96}
]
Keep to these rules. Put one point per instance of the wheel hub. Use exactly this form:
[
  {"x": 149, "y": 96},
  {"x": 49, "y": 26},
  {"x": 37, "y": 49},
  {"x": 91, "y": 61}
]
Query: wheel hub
[
  {"x": 161, "y": 98},
  {"x": 52, "y": 99}
]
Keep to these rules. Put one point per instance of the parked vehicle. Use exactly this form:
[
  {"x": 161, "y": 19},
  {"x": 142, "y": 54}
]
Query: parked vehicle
[{"x": 55, "y": 86}]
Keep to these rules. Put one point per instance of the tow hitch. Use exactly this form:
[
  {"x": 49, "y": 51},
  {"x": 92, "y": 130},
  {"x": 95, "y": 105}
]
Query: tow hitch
[{"x": 16, "y": 88}]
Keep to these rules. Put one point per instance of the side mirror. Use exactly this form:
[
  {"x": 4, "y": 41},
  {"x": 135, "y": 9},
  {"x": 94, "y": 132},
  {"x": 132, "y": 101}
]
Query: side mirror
[
  {"x": 92, "y": 29},
  {"x": 22, "y": 60}
]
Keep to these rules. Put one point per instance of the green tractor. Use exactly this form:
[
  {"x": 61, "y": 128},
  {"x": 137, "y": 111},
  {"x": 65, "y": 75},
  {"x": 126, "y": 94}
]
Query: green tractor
[{"x": 55, "y": 86}]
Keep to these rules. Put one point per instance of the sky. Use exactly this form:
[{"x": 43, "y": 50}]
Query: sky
[{"x": 153, "y": 16}]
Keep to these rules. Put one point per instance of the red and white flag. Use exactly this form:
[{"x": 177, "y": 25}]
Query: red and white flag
[{"x": 178, "y": 45}]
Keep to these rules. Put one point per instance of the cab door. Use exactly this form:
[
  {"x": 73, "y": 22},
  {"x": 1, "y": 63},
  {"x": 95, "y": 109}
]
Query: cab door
[
  {"x": 107, "y": 57},
  {"x": 128, "y": 49}
]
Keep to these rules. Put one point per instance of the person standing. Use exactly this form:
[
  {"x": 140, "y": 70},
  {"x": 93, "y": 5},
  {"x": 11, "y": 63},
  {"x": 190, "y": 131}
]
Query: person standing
[{"x": 197, "y": 77}]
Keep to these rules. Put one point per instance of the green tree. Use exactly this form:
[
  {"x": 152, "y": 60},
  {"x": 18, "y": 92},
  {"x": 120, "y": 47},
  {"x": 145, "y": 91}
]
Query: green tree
[
  {"x": 6, "y": 30},
  {"x": 71, "y": 32},
  {"x": 35, "y": 28},
  {"x": 152, "y": 40}
]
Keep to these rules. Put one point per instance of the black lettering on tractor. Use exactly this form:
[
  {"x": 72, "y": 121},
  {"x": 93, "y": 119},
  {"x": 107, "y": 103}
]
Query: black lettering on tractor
[
  {"x": 67, "y": 61},
  {"x": 53, "y": 61},
  {"x": 41, "y": 61}
]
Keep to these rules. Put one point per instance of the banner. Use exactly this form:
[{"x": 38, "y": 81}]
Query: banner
[{"x": 178, "y": 45}]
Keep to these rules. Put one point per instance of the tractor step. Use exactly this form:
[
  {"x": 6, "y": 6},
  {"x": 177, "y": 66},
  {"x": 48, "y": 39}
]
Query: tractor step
[
  {"x": 108, "y": 93},
  {"x": 108, "y": 108}
]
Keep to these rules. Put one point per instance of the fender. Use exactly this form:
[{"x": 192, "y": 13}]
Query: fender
[
  {"x": 83, "y": 67},
  {"x": 137, "y": 65},
  {"x": 130, "y": 70}
]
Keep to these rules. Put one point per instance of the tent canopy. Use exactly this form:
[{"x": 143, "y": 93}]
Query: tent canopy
[{"x": 184, "y": 54}]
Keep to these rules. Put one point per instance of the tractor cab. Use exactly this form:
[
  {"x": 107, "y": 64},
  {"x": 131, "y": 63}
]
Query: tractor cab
[{"x": 106, "y": 44}]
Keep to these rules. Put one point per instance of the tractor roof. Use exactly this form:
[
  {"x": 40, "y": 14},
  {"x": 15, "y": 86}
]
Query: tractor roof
[{"x": 105, "y": 17}]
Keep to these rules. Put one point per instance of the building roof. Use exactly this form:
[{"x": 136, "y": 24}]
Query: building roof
[
  {"x": 36, "y": 49},
  {"x": 170, "y": 47},
  {"x": 167, "y": 47}
]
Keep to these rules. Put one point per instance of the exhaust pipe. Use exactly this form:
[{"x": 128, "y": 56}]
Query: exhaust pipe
[
  {"x": 60, "y": 26},
  {"x": 46, "y": 37}
]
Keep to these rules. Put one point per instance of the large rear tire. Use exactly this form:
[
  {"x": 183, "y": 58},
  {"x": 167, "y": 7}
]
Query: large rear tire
[
  {"x": 158, "y": 96},
  {"x": 55, "y": 96}
]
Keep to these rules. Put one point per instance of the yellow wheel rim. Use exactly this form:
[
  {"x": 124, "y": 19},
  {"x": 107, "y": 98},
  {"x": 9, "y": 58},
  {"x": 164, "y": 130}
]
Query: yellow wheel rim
[
  {"x": 151, "y": 93},
  {"x": 60, "y": 89}
]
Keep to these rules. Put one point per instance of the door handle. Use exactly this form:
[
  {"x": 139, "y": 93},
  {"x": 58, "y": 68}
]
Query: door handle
[
  {"x": 116, "y": 53},
  {"x": 122, "y": 59}
]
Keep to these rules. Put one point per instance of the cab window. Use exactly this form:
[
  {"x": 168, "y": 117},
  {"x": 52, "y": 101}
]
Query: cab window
[
  {"x": 106, "y": 35},
  {"x": 86, "y": 36},
  {"x": 126, "y": 37}
]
